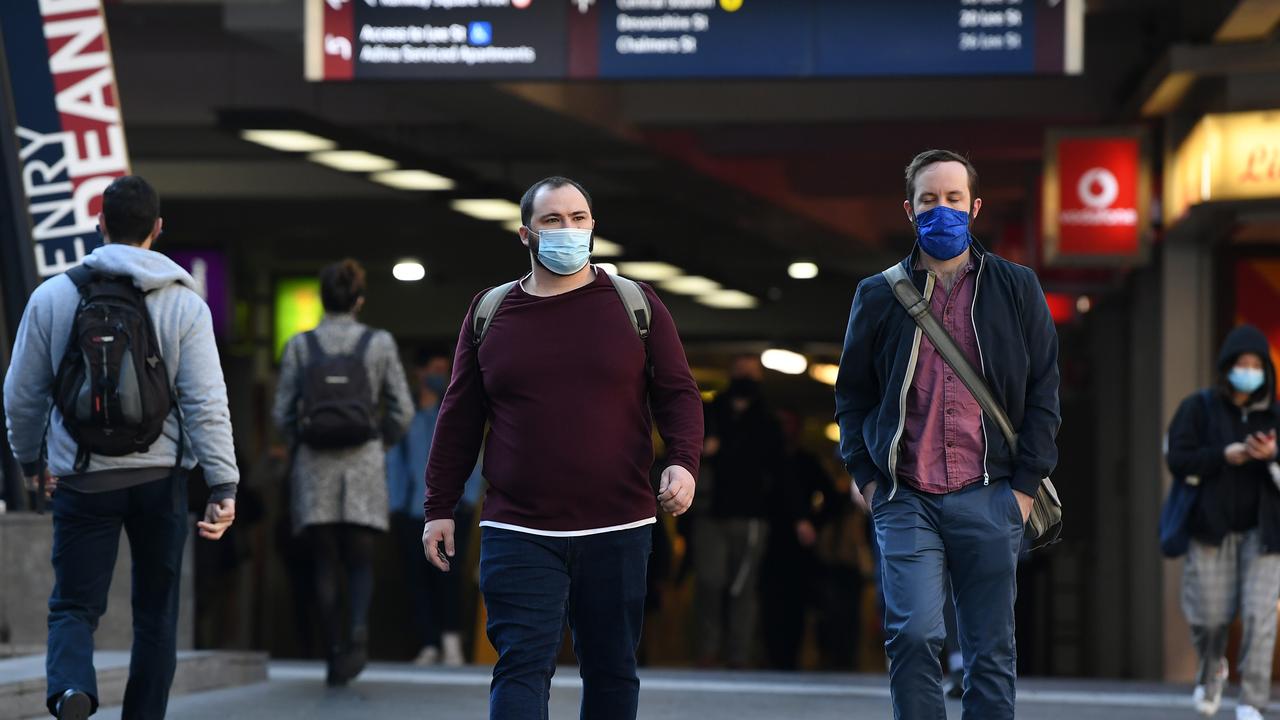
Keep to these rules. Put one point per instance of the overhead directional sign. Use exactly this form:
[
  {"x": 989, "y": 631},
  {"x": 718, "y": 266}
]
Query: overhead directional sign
[{"x": 555, "y": 39}]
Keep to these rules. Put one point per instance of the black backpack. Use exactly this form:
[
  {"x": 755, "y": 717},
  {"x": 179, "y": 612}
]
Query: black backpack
[
  {"x": 337, "y": 403},
  {"x": 112, "y": 387}
]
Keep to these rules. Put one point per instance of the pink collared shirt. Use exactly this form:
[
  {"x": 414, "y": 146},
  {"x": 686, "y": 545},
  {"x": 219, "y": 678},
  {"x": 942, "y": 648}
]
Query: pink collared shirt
[{"x": 943, "y": 446}]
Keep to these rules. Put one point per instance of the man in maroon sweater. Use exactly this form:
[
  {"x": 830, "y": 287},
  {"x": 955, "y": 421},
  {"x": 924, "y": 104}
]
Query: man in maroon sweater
[{"x": 563, "y": 381}]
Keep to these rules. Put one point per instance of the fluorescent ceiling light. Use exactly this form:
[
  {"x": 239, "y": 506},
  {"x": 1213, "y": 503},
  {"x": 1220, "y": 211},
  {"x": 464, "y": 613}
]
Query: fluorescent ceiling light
[
  {"x": 833, "y": 432},
  {"x": 803, "y": 270},
  {"x": 408, "y": 271},
  {"x": 605, "y": 248},
  {"x": 357, "y": 161},
  {"x": 492, "y": 209},
  {"x": 728, "y": 300},
  {"x": 413, "y": 180},
  {"x": 825, "y": 373},
  {"x": 649, "y": 271},
  {"x": 609, "y": 268},
  {"x": 689, "y": 285},
  {"x": 512, "y": 226},
  {"x": 288, "y": 140},
  {"x": 784, "y": 361}
]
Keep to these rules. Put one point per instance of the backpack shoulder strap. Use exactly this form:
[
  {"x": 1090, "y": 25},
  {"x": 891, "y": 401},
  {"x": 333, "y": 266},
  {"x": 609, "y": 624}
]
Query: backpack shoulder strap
[
  {"x": 80, "y": 276},
  {"x": 362, "y": 345},
  {"x": 636, "y": 303},
  {"x": 314, "y": 350},
  {"x": 487, "y": 308}
]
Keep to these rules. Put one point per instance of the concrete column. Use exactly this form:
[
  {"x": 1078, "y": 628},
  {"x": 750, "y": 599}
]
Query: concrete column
[{"x": 1186, "y": 362}]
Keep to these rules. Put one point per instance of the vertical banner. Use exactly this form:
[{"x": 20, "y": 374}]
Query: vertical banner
[
  {"x": 70, "y": 135},
  {"x": 1096, "y": 195}
]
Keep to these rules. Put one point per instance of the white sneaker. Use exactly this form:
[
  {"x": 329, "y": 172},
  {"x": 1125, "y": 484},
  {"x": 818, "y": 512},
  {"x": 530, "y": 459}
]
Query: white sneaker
[
  {"x": 1208, "y": 698},
  {"x": 452, "y": 643},
  {"x": 1247, "y": 712},
  {"x": 430, "y": 655}
]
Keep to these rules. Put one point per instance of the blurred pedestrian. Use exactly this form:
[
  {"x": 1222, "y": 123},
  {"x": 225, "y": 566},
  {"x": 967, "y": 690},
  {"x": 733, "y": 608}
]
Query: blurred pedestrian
[
  {"x": 947, "y": 496},
  {"x": 435, "y": 597},
  {"x": 745, "y": 449},
  {"x": 1225, "y": 436},
  {"x": 332, "y": 380},
  {"x": 120, "y": 443},
  {"x": 568, "y": 367},
  {"x": 789, "y": 571}
]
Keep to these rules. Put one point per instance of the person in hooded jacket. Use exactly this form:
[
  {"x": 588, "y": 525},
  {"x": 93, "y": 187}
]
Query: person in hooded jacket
[{"x": 1226, "y": 437}]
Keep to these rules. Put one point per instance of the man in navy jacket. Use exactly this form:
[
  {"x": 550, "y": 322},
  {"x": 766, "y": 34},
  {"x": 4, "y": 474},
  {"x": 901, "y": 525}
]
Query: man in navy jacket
[{"x": 947, "y": 493}]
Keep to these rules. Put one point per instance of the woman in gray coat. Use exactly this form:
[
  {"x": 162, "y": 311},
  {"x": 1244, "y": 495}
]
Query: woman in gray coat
[{"x": 338, "y": 481}]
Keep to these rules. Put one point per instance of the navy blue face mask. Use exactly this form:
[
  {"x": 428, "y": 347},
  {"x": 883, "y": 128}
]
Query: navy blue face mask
[{"x": 943, "y": 232}]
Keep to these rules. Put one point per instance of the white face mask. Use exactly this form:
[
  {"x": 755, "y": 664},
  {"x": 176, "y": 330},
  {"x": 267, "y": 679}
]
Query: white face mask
[
  {"x": 563, "y": 251},
  {"x": 1246, "y": 380}
]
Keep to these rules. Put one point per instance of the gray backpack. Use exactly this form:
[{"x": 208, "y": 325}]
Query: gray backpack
[{"x": 633, "y": 298}]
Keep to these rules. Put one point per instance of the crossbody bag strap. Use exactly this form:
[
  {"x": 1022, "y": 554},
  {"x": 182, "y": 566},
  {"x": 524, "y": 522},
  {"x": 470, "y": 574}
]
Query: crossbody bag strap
[{"x": 918, "y": 308}]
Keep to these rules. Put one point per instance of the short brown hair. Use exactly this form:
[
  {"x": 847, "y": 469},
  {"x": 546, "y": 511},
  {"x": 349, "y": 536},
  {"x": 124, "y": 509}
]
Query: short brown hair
[
  {"x": 932, "y": 157},
  {"x": 341, "y": 285}
]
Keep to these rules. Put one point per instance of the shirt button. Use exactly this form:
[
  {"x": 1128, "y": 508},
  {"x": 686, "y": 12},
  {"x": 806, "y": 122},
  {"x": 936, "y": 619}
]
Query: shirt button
[
  {"x": 951, "y": 411},
  {"x": 951, "y": 444}
]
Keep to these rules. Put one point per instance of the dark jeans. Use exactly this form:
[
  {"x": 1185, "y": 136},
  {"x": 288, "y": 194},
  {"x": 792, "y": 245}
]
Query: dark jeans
[
  {"x": 86, "y": 538},
  {"x": 531, "y": 584},
  {"x": 343, "y": 548},
  {"x": 974, "y": 536},
  {"x": 436, "y": 597}
]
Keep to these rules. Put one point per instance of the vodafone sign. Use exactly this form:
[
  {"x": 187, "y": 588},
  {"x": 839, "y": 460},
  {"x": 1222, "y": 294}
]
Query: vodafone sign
[{"x": 1094, "y": 203}]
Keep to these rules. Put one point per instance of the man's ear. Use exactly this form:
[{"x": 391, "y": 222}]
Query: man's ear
[
  {"x": 977, "y": 207},
  {"x": 906, "y": 207},
  {"x": 102, "y": 228}
]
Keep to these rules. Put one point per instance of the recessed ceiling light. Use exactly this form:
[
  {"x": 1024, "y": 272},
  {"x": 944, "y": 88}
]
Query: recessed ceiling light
[
  {"x": 833, "y": 432},
  {"x": 492, "y": 209},
  {"x": 728, "y": 300},
  {"x": 803, "y": 270},
  {"x": 784, "y": 361},
  {"x": 288, "y": 140},
  {"x": 512, "y": 226},
  {"x": 649, "y": 271},
  {"x": 357, "y": 161},
  {"x": 413, "y": 180},
  {"x": 825, "y": 373},
  {"x": 604, "y": 248},
  {"x": 689, "y": 285},
  {"x": 408, "y": 271}
]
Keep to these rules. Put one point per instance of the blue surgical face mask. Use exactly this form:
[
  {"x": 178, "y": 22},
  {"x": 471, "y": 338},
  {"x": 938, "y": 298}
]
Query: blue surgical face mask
[
  {"x": 437, "y": 383},
  {"x": 564, "y": 251},
  {"x": 1246, "y": 380},
  {"x": 943, "y": 232}
]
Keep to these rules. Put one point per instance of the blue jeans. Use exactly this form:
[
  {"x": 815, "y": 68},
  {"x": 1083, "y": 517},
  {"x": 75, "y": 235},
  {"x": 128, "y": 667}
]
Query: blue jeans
[
  {"x": 974, "y": 536},
  {"x": 86, "y": 538},
  {"x": 531, "y": 584}
]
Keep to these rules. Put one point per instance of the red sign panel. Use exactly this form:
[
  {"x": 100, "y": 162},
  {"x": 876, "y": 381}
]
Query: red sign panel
[
  {"x": 1098, "y": 196},
  {"x": 1094, "y": 203}
]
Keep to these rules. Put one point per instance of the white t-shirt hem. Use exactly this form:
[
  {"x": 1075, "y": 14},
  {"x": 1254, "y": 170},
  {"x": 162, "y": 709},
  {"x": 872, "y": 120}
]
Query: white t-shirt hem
[{"x": 568, "y": 533}]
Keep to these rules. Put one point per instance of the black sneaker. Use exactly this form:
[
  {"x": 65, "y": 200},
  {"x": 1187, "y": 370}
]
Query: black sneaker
[{"x": 74, "y": 705}]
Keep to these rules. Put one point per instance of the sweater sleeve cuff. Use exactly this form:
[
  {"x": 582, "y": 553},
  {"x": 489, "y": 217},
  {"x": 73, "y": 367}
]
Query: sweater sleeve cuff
[
  {"x": 437, "y": 514},
  {"x": 1026, "y": 481},
  {"x": 224, "y": 491}
]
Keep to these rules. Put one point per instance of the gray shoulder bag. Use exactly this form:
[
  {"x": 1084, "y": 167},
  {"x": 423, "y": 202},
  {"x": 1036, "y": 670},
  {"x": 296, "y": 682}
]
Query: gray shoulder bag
[{"x": 1045, "y": 523}]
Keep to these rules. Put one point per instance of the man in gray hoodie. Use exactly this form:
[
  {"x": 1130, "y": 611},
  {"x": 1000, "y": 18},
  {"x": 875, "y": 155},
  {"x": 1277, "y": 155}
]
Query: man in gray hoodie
[{"x": 145, "y": 492}]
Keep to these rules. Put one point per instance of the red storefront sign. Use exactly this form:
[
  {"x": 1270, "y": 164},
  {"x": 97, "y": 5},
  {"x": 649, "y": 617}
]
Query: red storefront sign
[{"x": 1095, "y": 199}]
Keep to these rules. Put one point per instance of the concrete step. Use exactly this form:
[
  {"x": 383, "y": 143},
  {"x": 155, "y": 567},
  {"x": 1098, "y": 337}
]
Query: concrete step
[{"x": 22, "y": 681}]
